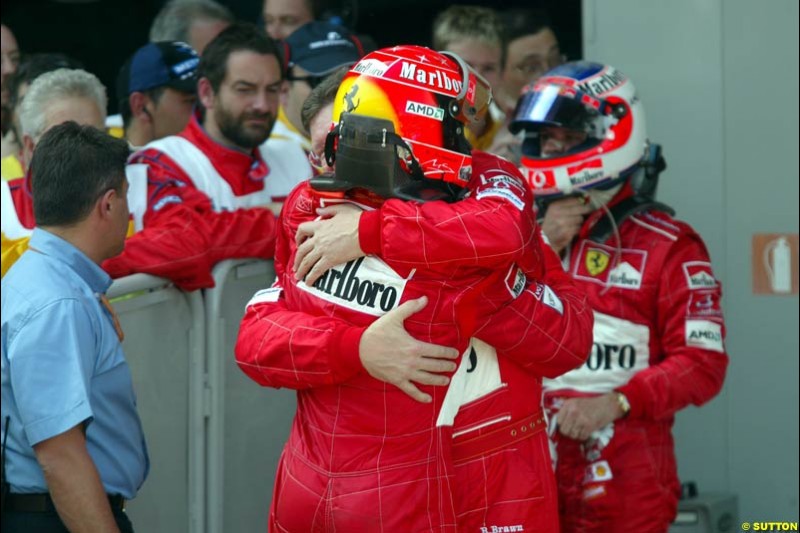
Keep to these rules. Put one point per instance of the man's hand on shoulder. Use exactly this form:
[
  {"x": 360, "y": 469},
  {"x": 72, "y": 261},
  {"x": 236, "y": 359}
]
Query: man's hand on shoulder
[
  {"x": 325, "y": 243},
  {"x": 390, "y": 354}
]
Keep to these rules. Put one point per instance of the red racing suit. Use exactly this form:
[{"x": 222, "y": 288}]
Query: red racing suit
[
  {"x": 501, "y": 476},
  {"x": 504, "y": 476},
  {"x": 658, "y": 339},
  {"x": 361, "y": 452},
  {"x": 201, "y": 207}
]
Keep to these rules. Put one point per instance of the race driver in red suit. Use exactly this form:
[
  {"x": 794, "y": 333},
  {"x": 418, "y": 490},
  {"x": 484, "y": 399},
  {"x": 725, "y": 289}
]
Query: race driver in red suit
[
  {"x": 363, "y": 454},
  {"x": 503, "y": 468},
  {"x": 658, "y": 324},
  {"x": 208, "y": 187}
]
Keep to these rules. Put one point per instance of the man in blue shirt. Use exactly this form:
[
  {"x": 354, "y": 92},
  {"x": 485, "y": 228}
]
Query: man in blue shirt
[{"x": 75, "y": 449}]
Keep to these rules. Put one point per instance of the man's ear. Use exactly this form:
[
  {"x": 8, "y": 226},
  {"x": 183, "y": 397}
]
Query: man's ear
[
  {"x": 106, "y": 204},
  {"x": 27, "y": 151},
  {"x": 137, "y": 102},
  {"x": 205, "y": 93}
]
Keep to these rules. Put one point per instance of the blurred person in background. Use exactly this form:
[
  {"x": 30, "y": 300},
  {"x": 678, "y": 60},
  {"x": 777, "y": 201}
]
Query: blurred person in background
[
  {"x": 156, "y": 90},
  {"x": 54, "y": 97},
  {"x": 283, "y": 17},
  {"x": 9, "y": 50},
  {"x": 31, "y": 67},
  {"x": 317, "y": 117},
  {"x": 211, "y": 187},
  {"x": 476, "y": 35},
  {"x": 194, "y": 22},
  {"x": 531, "y": 49},
  {"x": 312, "y": 52}
]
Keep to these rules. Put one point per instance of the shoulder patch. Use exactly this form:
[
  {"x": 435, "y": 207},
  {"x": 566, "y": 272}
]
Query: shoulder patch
[
  {"x": 499, "y": 184},
  {"x": 515, "y": 281},
  {"x": 545, "y": 294},
  {"x": 699, "y": 275},
  {"x": 704, "y": 303},
  {"x": 704, "y": 334}
]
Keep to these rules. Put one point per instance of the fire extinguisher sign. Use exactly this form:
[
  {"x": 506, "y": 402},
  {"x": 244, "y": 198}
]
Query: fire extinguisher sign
[{"x": 775, "y": 263}]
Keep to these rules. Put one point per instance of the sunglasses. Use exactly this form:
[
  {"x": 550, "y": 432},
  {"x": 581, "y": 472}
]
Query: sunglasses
[{"x": 312, "y": 81}]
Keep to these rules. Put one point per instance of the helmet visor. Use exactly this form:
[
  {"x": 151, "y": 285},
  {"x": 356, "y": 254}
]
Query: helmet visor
[
  {"x": 552, "y": 106},
  {"x": 475, "y": 95}
]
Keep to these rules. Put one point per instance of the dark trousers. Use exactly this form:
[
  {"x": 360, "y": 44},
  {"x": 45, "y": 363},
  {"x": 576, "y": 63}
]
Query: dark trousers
[{"x": 49, "y": 522}]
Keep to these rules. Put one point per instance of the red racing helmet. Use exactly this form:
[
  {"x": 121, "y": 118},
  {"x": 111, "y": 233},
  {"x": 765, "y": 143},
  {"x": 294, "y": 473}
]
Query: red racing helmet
[{"x": 400, "y": 115}]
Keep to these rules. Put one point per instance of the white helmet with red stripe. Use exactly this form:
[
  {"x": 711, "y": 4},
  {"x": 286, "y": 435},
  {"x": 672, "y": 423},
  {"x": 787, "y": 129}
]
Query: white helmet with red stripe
[{"x": 600, "y": 106}]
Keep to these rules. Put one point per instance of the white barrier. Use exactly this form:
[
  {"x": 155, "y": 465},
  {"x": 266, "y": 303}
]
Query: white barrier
[
  {"x": 165, "y": 350},
  {"x": 248, "y": 424}
]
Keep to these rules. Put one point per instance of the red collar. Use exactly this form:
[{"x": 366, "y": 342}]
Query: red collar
[{"x": 231, "y": 163}]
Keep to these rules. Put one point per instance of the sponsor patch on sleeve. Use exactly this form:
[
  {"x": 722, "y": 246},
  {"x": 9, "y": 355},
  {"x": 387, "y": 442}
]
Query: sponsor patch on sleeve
[
  {"x": 699, "y": 275},
  {"x": 501, "y": 185},
  {"x": 515, "y": 281},
  {"x": 703, "y": 304},
  {"x": 545, "y": 294},
  {"x": 166, "y": 200},
  {"x": 269, "y": 295},
  {"x": 505, "y": 194},
  {"x": 704, "y": 334}
]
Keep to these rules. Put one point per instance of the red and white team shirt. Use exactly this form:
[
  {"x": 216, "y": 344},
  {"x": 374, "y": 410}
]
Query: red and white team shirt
[{"x": 203, "y": 203}]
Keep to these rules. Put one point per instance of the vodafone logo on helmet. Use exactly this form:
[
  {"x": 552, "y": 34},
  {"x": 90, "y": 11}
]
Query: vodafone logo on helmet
[{"x": 538, "y": 178}]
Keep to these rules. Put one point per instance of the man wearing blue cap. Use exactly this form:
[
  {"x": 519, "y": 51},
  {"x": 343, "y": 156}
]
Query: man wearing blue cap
[
  {"x": 156, "y": 91},
  {"x": 312, "y": 52}
]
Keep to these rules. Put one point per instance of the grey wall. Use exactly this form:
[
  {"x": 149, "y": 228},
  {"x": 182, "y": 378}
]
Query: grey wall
[{"x": 719, "y": 81}]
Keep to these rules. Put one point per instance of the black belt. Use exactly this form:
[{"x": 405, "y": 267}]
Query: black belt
[{"x": 43, "y": 503}]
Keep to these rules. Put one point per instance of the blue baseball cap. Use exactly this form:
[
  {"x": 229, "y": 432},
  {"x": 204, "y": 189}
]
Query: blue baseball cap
[
  {"x": 170, "y": 64},
  {"x": 321, "y": 47}
]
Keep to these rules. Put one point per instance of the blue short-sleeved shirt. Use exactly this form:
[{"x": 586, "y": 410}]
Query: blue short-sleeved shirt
[{"x": 62, "y": 364}]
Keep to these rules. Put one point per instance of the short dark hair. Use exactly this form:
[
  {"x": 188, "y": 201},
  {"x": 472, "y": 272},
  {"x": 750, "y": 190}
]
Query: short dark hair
[
  {"x": 124, "y": 104},
  {"x": 234, "y": 38},
  {"x": 73, "y": 166},
  {"x": 519, "y": 22},
  {"x": 322, "y": 95}
]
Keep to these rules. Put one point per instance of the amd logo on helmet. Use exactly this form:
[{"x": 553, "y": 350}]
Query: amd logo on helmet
[{"x": 365, "y": 284}]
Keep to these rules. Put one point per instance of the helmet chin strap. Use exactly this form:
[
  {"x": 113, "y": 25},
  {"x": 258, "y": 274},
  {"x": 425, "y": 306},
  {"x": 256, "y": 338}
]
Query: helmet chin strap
[{"x": 598, "y": 198}]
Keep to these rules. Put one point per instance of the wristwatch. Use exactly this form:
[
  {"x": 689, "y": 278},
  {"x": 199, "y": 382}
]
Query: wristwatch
[{"x": 623, "y": 403}]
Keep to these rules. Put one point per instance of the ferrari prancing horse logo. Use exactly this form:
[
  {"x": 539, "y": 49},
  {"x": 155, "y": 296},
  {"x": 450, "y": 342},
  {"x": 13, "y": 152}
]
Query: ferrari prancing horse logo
[
  {"x": 596, "y": 261},
  {"x": 348, "y": 99}
]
